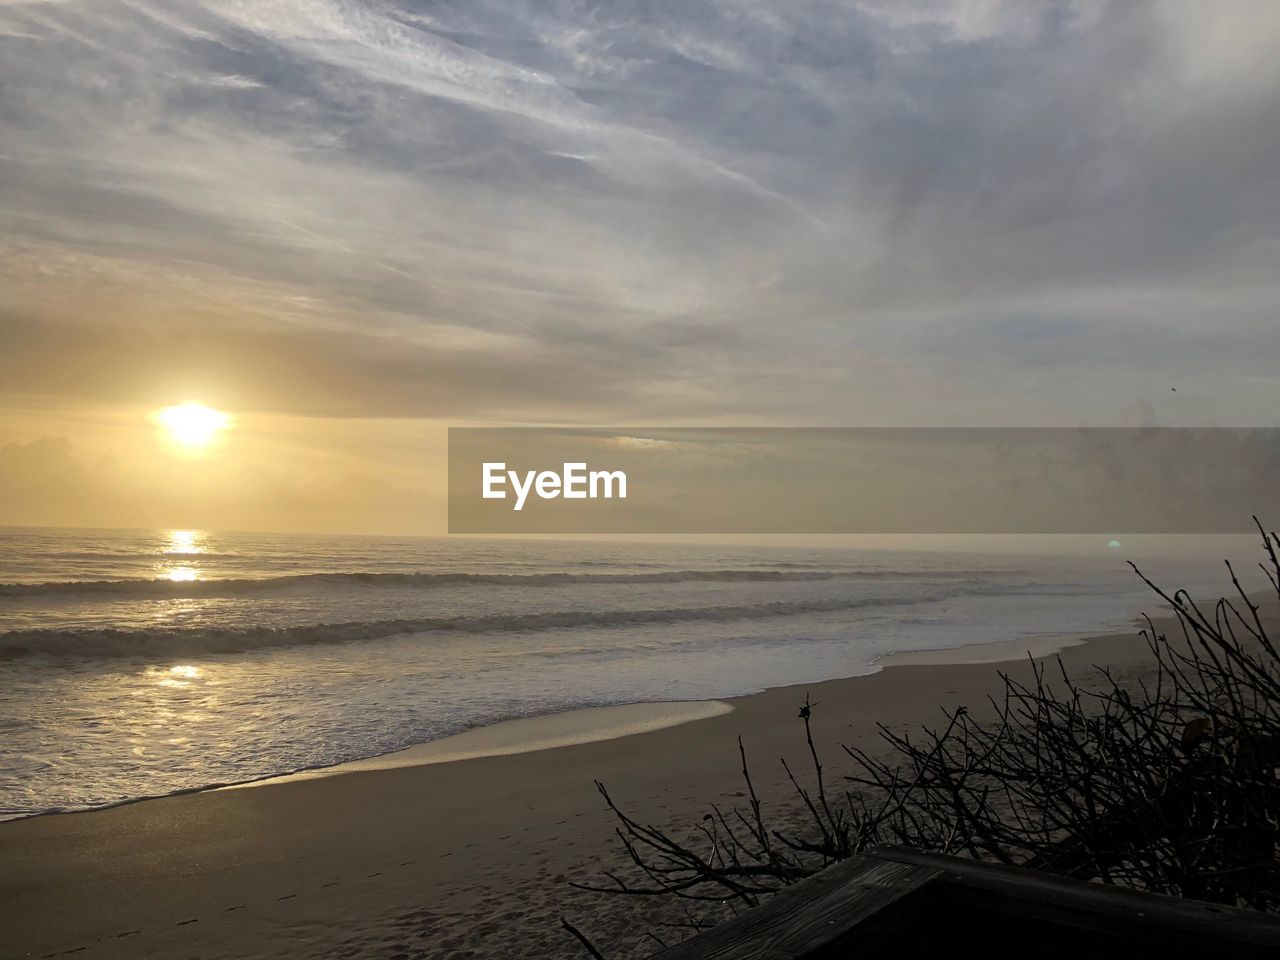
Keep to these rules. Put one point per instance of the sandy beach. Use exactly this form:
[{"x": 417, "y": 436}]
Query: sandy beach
[
  {"x": 464, "y": 858},
  {"x": 435, "y": 435}
]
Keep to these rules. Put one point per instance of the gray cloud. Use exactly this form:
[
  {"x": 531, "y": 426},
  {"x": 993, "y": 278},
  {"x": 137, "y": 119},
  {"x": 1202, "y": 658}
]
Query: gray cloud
[{"x": 835, "y": 212}]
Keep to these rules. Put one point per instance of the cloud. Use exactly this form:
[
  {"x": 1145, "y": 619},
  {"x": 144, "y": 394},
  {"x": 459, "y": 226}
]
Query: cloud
[{"x": 984, "y": 211}]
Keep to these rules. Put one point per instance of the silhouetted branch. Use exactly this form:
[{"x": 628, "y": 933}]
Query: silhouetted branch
[
  {"x": 582, "y": 939},
  {"x": 1170, "y": 783}
]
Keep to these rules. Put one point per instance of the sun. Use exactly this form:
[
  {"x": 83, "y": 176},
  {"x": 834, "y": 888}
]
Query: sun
[{"x": 191, "y": 424}]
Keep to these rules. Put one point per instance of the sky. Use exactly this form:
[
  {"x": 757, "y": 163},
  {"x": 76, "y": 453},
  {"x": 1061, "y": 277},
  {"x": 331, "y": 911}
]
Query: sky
[{"x": 351, "y": 225}]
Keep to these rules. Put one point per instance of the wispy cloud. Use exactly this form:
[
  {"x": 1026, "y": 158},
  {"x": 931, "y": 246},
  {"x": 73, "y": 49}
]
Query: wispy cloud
[{"x": 819, "y": 212}]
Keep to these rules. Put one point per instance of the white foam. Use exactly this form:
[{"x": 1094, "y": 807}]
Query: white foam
[
  {"x": 525, "y": 735},
  {"x": 999, "y": 652}
]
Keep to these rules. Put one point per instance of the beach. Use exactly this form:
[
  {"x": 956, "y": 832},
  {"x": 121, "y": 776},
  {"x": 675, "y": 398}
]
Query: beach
[
  {"x": 446, "y": 446},
  {"x": 452, "y": 857}
]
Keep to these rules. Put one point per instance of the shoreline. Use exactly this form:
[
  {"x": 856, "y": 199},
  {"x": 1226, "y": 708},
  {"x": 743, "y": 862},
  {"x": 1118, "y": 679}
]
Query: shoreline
[
  {"x": 592, "y": 724},
  {"x": 471, "y": 854},
  {"x": 505, "y": 738},
  {"x": 578, "y": 725}
]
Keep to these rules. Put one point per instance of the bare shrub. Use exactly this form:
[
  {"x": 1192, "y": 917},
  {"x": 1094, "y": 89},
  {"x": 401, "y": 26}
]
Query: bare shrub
[{"x": 1167, "y": 784}]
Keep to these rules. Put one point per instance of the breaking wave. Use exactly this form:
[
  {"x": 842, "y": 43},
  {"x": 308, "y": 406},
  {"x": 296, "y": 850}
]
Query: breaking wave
[
  {"x": 164, "y": 588},
  {"x": 112, "y": 643}
]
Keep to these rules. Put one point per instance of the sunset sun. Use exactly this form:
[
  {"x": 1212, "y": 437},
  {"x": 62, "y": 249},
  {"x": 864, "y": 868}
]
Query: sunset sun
[{"x": 192, "y": 425}]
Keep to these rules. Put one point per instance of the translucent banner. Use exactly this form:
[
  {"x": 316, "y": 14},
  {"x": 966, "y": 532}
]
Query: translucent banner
[{"x": 862, "y": 480}]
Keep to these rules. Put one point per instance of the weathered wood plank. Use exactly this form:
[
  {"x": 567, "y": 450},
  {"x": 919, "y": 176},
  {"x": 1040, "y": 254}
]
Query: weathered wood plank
[{"x": 817, "y": 915}]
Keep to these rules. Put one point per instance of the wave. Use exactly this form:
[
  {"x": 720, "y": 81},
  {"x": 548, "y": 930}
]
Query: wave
[
  {"x": 112, "y": 643},
  {"x": 235, "y": 587}
]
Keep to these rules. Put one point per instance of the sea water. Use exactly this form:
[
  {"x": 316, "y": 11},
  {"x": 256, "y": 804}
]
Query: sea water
[{"x": 141, "y": 663}]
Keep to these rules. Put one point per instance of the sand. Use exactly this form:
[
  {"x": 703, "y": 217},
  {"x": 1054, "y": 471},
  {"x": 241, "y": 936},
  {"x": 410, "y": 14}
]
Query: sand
[
  {"x": 447, "y": 852},
  {"x": 524, "y": 735}
]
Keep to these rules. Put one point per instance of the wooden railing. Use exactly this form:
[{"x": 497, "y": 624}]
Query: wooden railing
[{"x": 901, "y": 904}]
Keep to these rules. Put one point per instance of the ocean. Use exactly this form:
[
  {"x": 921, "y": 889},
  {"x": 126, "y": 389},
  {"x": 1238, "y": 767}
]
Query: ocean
[{"x": 142, "y": 663}]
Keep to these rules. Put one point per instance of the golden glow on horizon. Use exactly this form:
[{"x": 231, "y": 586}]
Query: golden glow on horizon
[{"x": 192, "y": 425}]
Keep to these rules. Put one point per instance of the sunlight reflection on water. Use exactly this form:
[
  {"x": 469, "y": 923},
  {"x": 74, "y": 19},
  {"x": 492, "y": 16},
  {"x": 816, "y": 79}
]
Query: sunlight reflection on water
[{"x": 182, "y": 543}]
